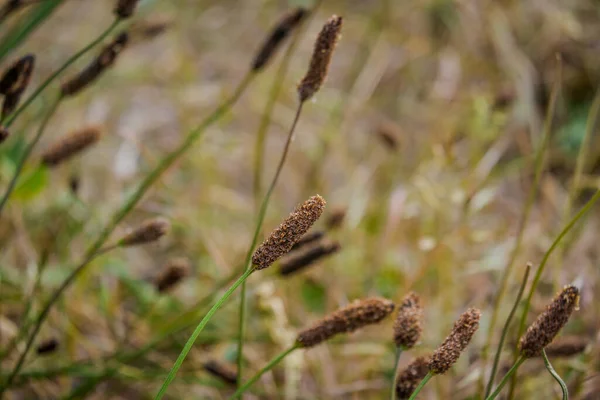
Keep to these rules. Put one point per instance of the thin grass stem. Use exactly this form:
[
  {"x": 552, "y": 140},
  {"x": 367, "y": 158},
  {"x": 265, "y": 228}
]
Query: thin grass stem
[
  {"x": 395, "y": 378},
  {"x": 506, "y": 378},
  {"x": 563, "y": 386},
  {"x": 422, "y": 384}
]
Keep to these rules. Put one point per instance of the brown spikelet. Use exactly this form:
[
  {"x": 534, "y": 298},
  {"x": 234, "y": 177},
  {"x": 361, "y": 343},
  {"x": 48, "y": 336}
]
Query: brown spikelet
[
  {"x": 309, "y": 238},
  {"x": 107, "y": 57},
  {"x": 345, "y": 320},
  {"x": 408, "y": 324},
  {"x": 321, "y": 57},
  {"x": 70, "y": 145},
  {"x": 14, "y": 82},
  {"x": 547, "y": 325},
  {"x": 4, "y": 134},
  {"x": 305, "y": 256},
  {"x": 336, "y": 218},
  {"x": 389, "y": 135},
  {"x": 448, "y": 353},
  {"x": 125, "y": 8},
  {"x": 409, "y": 378},
  {"x": 281, "y": 240},
  {"x": 282, "y": 30},
  {"x": 149, "y": 231},
  {"x": 74, "y": 183},
  {"x": 47, "y": 346},
  {"x": 171, "y": 274},
  {"x": 567, "y": 346},
  {"x": 10, "y": 7},
  {"x": 221, "y": 371},
  {"x": 149, "y": 29}
]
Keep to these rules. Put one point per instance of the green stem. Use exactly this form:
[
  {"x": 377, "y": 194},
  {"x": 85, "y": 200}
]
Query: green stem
[
  {"x": 506, "y": 378},
  {"x": 59, "y": 71},
  {"x": 422, "y": 384},
  {"x": 259, "y": 223},
  {"x": 196, "y": 333},
  {"x": 505, "y": 331},
  {"x": 395, "y": 378},
  {"x": 27, "y": 153},
  {"x": 539, "y": 166},
  {"x": 260, "y": 373},
  {"x": 563, "y": 386}
]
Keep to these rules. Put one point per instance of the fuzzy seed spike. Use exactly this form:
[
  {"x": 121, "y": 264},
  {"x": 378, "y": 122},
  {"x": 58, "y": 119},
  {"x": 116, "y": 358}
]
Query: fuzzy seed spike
[
  {"x": 321, "y": 58},
  {"x": 221, "y": 371},
  {"x": 547, "y": 325},
  {"x": 47, "y": 346},
  {"x": 307, "y": 255},
  {"x": 4, "y": 134},
  {"x": 281, "y": 240},
  {"x": 408, "y": 324},
  {"x": 15, "y": 81},
  {"x": 149, "y": 231},
  {"x": 279, "y": 33},
  {"x": 70, "y": 145},
  {"x": 97, "y": 67},
  {"x": 567, "y": 346},
  {"x": 345, "y": 320},
  {"x": 409, "y": 378},
  {"x": 125, "y": 8},
  {"x": 458, "y": 340},
  {"x": 307, "y": 239},
  {"x": 172, "y": 273}
]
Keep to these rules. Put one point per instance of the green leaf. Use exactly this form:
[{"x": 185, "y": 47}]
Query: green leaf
[
  {"x": 32, "y": 183},
  {"x": 314, "y": 296}
]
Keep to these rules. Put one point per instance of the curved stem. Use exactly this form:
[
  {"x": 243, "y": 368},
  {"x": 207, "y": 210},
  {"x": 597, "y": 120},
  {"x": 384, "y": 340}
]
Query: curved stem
[
  {"x": 506, "y": 378},
  {"x": 395, "y": 378},
  {"x": 563, "y": 386},
  {"x": 260, "y": 373},
  {"x": 28, "y": 150},
  {"x": 259, "y": 222},
  {"x": 505, "y": 331},
  {"x": 422, "y": 384},
  {"x": 11, "y": 119},
  {"x": 197, "y": 331}
]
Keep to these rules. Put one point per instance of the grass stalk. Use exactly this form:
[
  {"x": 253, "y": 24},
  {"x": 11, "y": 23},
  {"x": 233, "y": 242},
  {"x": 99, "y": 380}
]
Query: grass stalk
[
  {"x": 190, "y": 343},
  {"x": 395, "y": 377},
  {"x": 506, "y": 378},
  {"x": 260, "y": 373},
  {"x": 422, "y": 384},
  {"x": 563, "y": 386}
]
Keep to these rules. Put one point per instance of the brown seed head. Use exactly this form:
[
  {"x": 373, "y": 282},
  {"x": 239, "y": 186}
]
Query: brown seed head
[
  {"x": 547, "y": 325},
  {"x": 125, "y": 8},
  {"x": 14, "y": 82},
  {"x": 4, "y": 134},
  {"x": 309, "y": 238},
  {"x": 171, "y": 274},
  {"x": 449, "y": 352},
  {"x": 47, "y": 346},
  {"x": 70, "y": 145},
  {"x": 149, "y": 29},
  {"x": 221, "y": 371},
  {"x": 10, "y": 7},
  {"x": 409, "y": 378},
  {"x": 282, "y": 30},
  {"x": 307, "y": 255},
  {"x": 107, "y": 58},
  {"x": 567, "y": 346},
  {"x": 288, "y": 233},
  {"x": 321, "y": 57},
  {"x": 150, "y": 231},
  {"x": 345, "y": 320},
  {"x": 408, "y": 327},
  {"x": 336, "y": 218}
]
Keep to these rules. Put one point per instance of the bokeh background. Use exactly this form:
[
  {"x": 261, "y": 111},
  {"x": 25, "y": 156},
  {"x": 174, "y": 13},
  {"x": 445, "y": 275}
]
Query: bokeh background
[{"x": 424, "y": 135}]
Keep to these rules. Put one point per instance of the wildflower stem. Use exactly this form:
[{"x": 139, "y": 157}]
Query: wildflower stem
[
  {"x": 422, "y": 384},
  {"x": 196, "y": 333},
  {"x": 395, "y": 378},
  {"x": 506, "y": 378},
  {"x": 260, "y": 373},
  {"x": 563, "y": 386},
  {"x": 505, "y": 331}
]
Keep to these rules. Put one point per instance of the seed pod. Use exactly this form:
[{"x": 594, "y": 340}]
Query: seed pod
[
  {"x": 308, "y": 238},
  {"x": 458, "y": 340},
  {"x": 283, "y": 29},
  {"x": 4, "y": 134},
  {"x": 14, "y": 82},
  {"x": 547, "y": 325},
  {"x": 321, "y": 57},
  {"x": 307, "y": 255},
  {"x": 125, "y": 8},
  {"x": 100, "y": 64},
  {"x": 345, "y": 320},
  {"x": 409, "y": 378},
  {"x": 336, "y": 218},
  {"x": 47, "y": 346},
  {"x": 221, "y": 371},
  {"x": 70, "y": 145},
  {"x": 408, "y": 324},
  {"x": 288, "y": 233},
  {"x": 567, "y": 346},
  {"x": 172, "y": 273},
  {"x": 150, "y": 231}
]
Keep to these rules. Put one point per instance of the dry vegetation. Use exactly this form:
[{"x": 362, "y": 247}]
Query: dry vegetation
[{"x": 454, "y": 142}]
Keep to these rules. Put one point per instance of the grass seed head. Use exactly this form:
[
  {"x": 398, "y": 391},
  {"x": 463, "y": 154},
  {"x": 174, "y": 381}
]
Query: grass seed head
[
  {"x": 547, "y": 325},
  {"x": 336, "y": 219},
  {"x": 408, "y": 324},
  {"x": 458, "y": 340},
  {"x": 567, "y": 346},
  {"x": 47, "y": 346},
  {"x": 96, "y": 68},
  {"x": 409, "y": 378},
  {"x": 281, "y": 31},
  {"x": 70, "y": 145},
  {"x": 221, "y": 371},
  {"x": 281, "y": 240},
  {"x": 14, "y": 82},
  {"x": 321, "y": 58},
  {"x": 149, "y": 231},
  {"x": 4, "y": 134},
  {"x": 307, "y": 255},
  {"x": 125, "y": 8},
  {"x": 308, "y": 238},
  {"x": 345, "y": 320},
  {"x": 172, "y": 273}
]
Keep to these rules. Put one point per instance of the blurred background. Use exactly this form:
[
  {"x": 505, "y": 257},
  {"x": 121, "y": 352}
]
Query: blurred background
[{"x": 423, "y": 138}]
